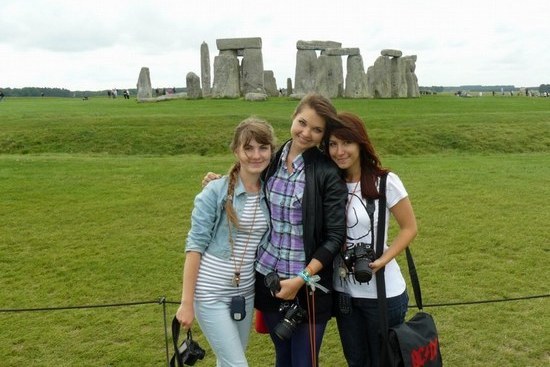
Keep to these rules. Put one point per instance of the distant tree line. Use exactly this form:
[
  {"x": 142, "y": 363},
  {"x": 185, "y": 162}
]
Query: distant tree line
[
  {"x": 54, "y": 92},
  {"x": 544, "y": 88}
]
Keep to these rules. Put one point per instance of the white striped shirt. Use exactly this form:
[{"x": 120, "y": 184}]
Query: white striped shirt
[{"x": 215, "y": 276}]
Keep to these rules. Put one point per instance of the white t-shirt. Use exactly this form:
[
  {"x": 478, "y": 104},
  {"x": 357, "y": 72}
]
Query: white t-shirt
[{"x": 359, "y": 231}]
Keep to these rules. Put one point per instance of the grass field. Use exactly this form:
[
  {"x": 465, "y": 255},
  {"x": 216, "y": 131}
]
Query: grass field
[{"x": 96, "y": 196}]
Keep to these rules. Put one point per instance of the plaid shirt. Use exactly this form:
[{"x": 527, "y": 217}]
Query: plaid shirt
[{"x": 285, "y": 251}]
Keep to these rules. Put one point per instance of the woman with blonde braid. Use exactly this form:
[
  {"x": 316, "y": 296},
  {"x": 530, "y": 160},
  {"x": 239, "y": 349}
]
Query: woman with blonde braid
[{"x": 230, "y": 220}]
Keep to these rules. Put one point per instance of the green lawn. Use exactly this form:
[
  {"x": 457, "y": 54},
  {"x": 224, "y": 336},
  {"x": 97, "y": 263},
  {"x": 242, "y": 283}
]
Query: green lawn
[{"x": 96, "y": 196}]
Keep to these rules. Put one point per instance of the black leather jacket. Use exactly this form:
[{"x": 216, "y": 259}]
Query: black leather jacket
[{"x": 324, "y": 206}]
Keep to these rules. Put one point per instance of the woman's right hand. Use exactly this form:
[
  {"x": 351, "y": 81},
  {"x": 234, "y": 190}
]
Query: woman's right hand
[
  {"x": 210, "y": 176},
  {"x": 185, "y": 315}
]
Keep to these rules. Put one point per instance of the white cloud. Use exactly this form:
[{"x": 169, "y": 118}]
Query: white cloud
[{"x": 103, "y": 44}]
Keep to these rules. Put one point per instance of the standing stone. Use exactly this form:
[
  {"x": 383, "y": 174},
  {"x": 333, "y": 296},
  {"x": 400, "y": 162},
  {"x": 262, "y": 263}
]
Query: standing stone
[
  {"x": 321, "y": 76},
  {"x": 356, "y": 79},
  {"x": 288, "y": 86},
  {"x": 270, "y": 84},
  {"x": 379, "y": 78},
  {"x": 144, "y": 89},
  {"x": 205, "y": 70},
  {"x": 252, "y": 71},
  {"x": 413, "y": 90},
  {"x": 399, "y": 81},
  {"x": 328, "y": 78},
  {"x": 306, "y": 65},
  {"x": 193, "y": 86},
  {"x": 226, "y": 76}
]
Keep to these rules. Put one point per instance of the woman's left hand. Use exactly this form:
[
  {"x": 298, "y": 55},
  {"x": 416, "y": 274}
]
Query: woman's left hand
[{"x": 376, "y": 265}]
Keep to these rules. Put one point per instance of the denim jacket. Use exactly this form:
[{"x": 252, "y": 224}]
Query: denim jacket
[{"x": 209, "y": 226}]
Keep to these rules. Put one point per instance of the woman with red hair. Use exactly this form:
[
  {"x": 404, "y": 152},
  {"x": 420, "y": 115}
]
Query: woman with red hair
[{"x": 357, "y": 312}]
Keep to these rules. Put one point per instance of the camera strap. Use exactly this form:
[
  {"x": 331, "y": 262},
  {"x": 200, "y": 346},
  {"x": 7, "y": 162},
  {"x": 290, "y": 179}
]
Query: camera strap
[{"x": 177, "y": 357}]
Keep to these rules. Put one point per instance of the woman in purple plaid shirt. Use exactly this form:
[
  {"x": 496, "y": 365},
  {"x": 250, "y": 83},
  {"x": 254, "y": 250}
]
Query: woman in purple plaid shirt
[{"x": 307, "y": 197}]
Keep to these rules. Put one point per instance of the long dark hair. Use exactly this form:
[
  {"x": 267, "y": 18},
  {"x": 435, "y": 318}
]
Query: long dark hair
[{"x": 353, "y": 129}]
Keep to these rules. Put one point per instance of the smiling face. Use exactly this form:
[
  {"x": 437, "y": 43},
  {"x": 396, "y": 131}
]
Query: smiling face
[
  {"x": 346, "y": 154},
  {"x": 307, "y": 129},
  {"x": 253, "y": 157}
]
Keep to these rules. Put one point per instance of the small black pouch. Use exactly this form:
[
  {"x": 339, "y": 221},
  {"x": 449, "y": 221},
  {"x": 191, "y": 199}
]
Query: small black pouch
[
  {"x": 344, "y": 303},
  {"x": 237, "y": 308}
]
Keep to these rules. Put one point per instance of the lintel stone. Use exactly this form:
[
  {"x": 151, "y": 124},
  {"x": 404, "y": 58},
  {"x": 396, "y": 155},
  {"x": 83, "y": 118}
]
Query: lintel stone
[
  {"x": 391, "y": 53},
  {"x": 317, "y": 45},
  {"x": 342, "y": 51},
  {"x": 238, "y": 43}
]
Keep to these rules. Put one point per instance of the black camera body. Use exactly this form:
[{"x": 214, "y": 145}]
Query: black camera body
[
  {"x": 293, "y": 314},
  {"x": 358, "y": 258},
  {"x": 190, "y": 352}
]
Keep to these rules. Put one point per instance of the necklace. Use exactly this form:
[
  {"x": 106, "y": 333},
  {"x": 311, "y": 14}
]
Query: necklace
[
  {"x": 237, "y": 274},
  {"x": 343, "y": 271},
  {"x": 350, "y": 195}
]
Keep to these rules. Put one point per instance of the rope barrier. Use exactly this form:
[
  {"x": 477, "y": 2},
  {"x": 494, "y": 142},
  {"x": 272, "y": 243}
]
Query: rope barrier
[
  {"x": 61, "y": 308},
  {"x": 163, "y": 301},
  {"x": 485, "y": 301}
]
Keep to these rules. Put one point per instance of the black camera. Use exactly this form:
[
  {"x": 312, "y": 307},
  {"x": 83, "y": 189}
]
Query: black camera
[
  {"x": 358, "y": 258},
  {"x": 293, "y": 315},
  {"x": 189, "y": 350}
]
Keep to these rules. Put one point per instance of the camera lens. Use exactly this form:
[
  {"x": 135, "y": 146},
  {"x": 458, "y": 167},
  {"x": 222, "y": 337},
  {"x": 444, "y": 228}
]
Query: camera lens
[
  {"x": 363, "y": 273},
  {"x": 364, "y": 255},
  {"x": 284, "y": 329}
]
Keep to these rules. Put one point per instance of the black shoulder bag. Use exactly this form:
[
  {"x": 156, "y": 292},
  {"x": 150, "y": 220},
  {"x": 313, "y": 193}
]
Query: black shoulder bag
[{"x": 414, "y": 342}]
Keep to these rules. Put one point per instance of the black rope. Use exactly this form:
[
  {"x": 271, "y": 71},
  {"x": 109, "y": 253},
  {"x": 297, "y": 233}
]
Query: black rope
[
  {"x": 6, "y": 310},
  {"x": 163, "y": 302},
  {"x": 483, "y": 302}
]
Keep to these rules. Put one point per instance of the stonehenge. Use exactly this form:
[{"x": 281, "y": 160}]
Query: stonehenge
[
  {"x": 392, "y": 76},
  {"x": 238, "y": 71},
  {"x": 233, "y": 79}
]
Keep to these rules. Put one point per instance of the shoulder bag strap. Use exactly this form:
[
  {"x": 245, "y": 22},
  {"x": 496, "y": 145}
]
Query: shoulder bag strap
[
  {"x": 414, "y": 279},
  {"x": 380, "y": 278}
]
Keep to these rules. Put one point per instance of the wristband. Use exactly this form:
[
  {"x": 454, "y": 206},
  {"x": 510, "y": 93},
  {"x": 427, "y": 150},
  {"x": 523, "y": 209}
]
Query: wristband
[{"x": 304, "y": 274}]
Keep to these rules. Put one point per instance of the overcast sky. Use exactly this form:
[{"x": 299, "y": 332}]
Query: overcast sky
[{"x": 95, "y": 45}]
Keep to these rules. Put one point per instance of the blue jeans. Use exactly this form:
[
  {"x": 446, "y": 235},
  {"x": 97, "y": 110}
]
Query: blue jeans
[
  {"x": 359, "y": 329},
  {"x": 296, "y": 351},
  {"x": 227, "y": 337}
]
